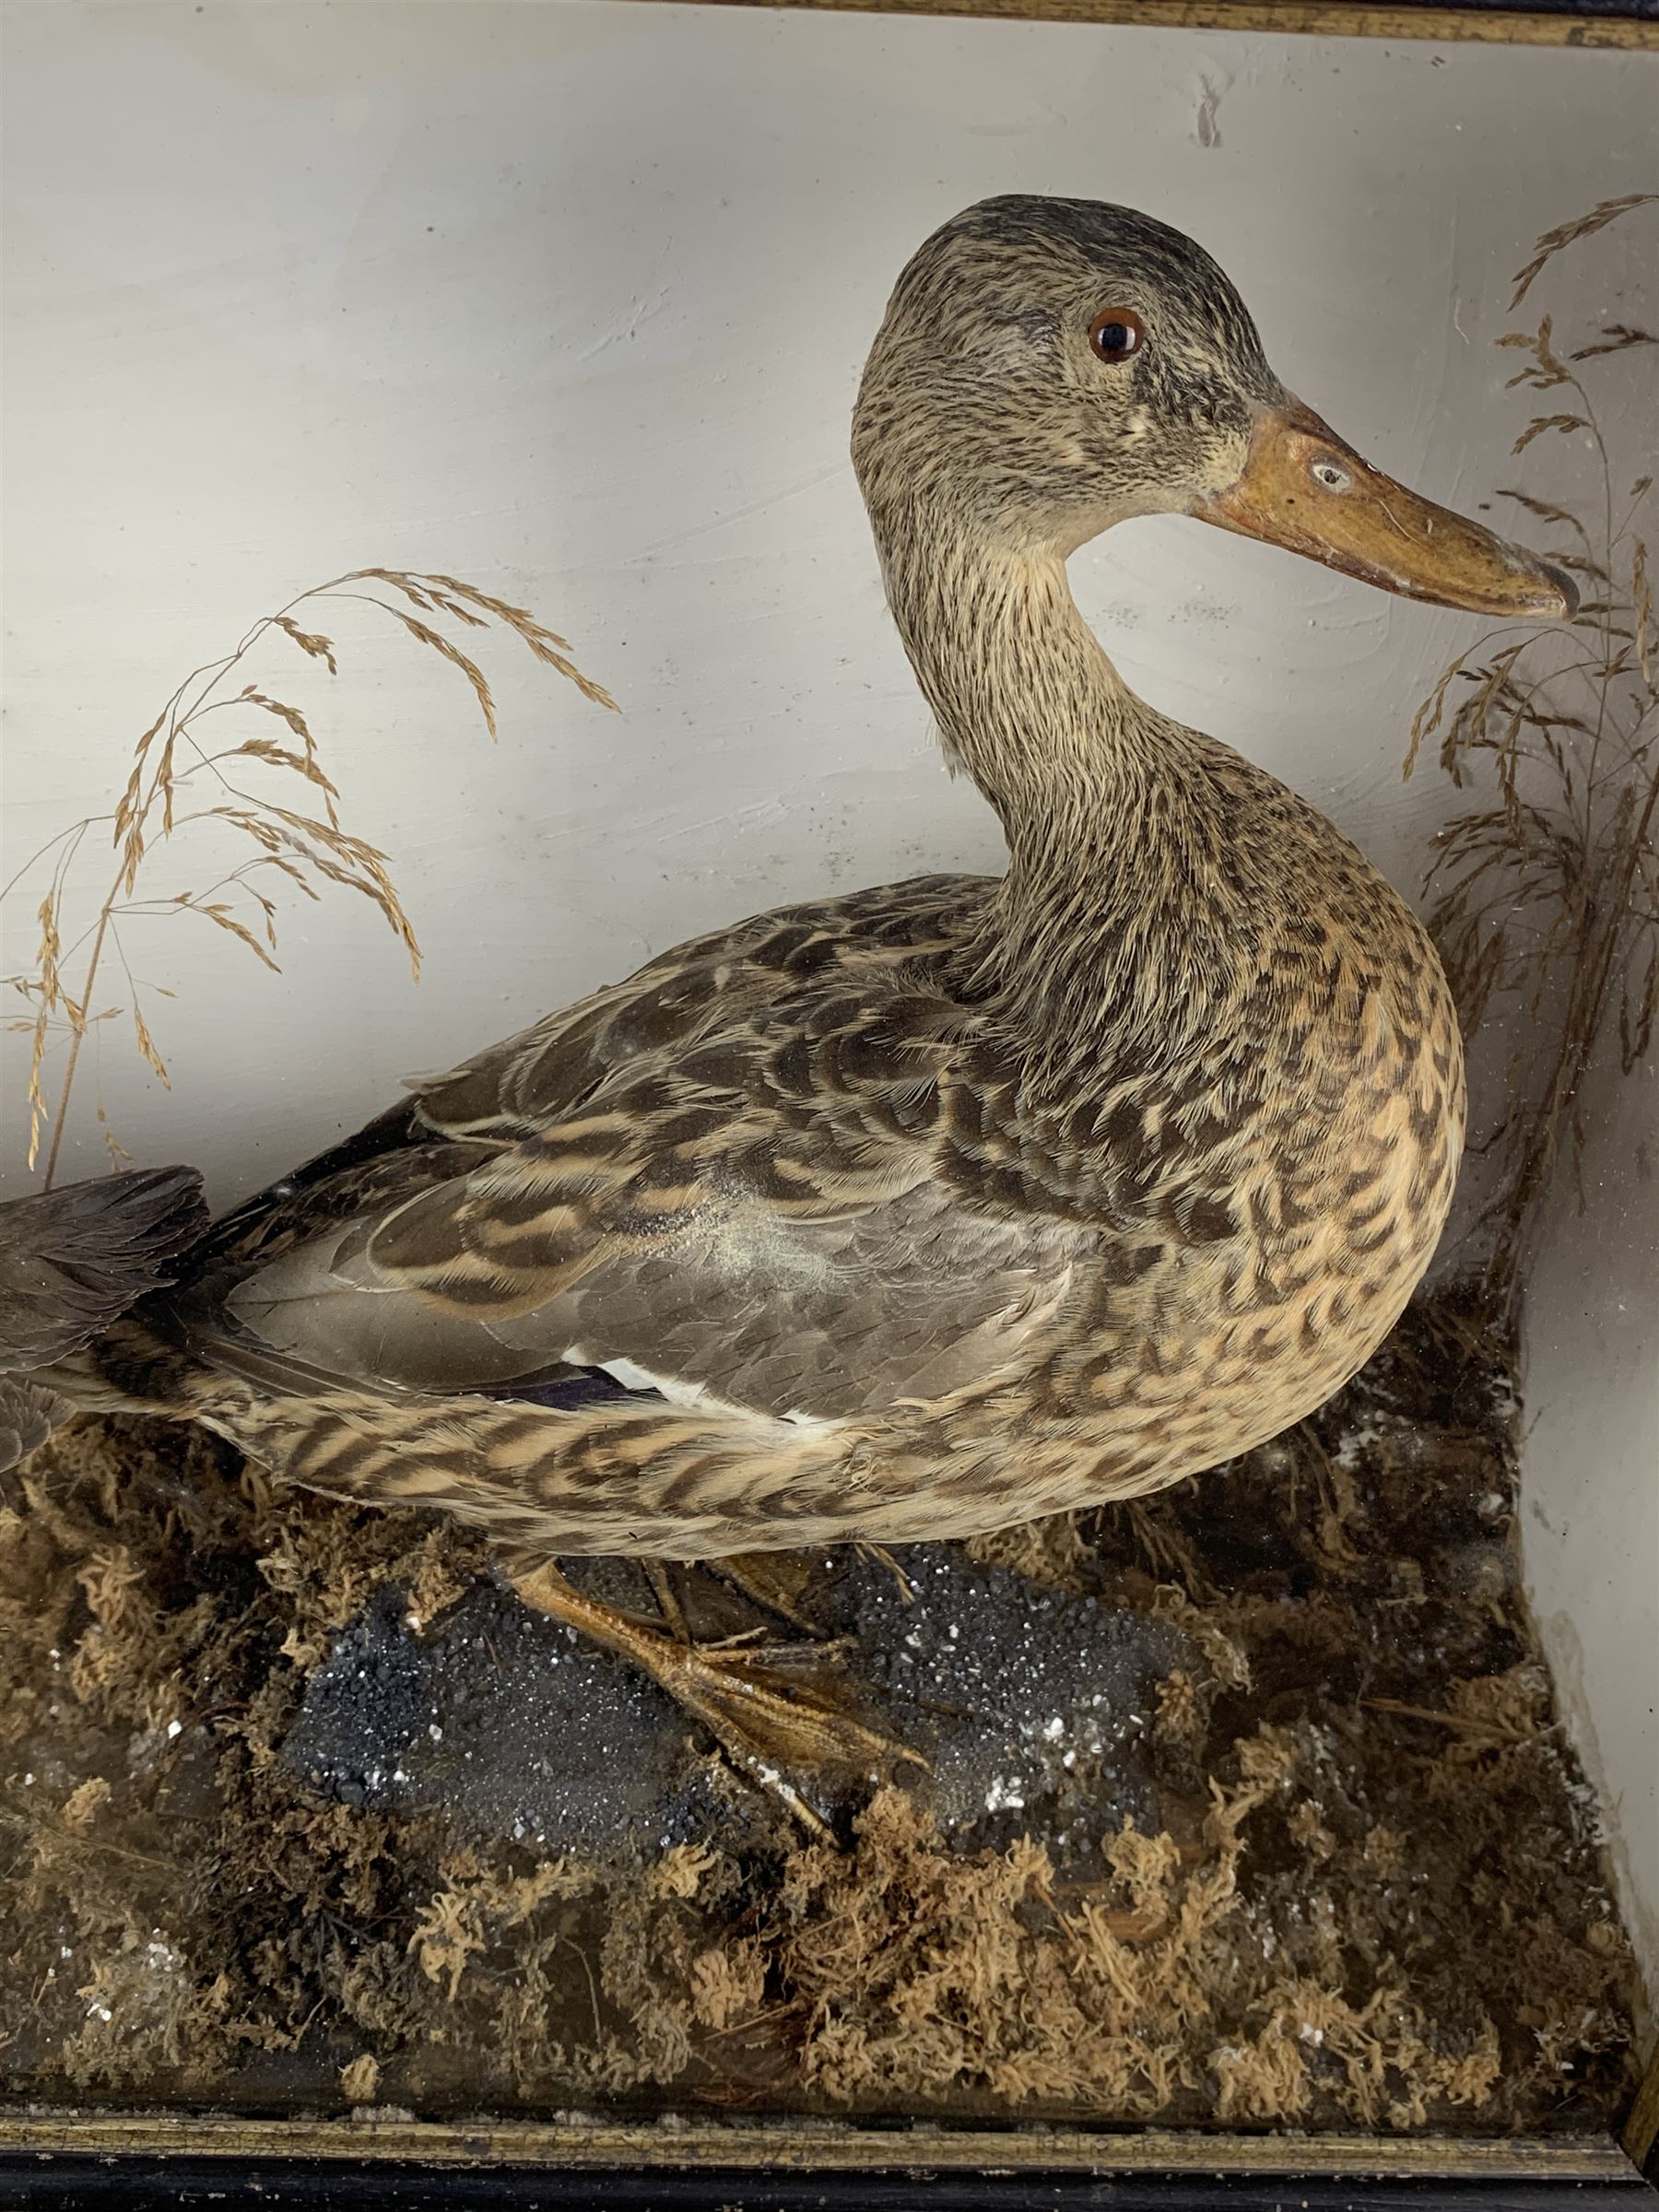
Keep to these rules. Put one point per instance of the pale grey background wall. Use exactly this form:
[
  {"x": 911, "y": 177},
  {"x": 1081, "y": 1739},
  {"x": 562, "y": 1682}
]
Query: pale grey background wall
[
  {"x": 569, "y": 298},
  {"x": 1590, "y": 1522}
]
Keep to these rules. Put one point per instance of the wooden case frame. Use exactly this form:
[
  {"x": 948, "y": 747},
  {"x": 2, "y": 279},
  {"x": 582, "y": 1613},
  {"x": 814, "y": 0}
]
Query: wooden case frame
[{"x": 162, "y": 2158}]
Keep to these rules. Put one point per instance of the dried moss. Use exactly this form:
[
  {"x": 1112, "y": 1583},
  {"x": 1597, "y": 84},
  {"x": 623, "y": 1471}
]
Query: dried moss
[{"x": 1369, "y": 1896}]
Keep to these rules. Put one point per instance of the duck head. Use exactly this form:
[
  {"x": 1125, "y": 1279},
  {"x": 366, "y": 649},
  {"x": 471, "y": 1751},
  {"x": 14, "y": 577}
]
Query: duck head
[{"x": 1049, "y": 367}]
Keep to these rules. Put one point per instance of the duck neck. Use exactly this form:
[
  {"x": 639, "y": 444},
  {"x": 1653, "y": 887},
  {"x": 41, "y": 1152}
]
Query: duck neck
[{"x": 1095, "y": 790}]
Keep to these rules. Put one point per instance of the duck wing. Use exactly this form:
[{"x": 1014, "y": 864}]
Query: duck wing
[{"x": 731, "y": 1178}]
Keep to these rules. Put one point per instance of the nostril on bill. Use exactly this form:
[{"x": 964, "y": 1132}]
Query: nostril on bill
[{"x": 1331, "y": 474}]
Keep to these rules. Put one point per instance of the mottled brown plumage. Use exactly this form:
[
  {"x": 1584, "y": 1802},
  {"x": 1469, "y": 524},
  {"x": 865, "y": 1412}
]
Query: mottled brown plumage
[{"x": 959, "y": 1201}]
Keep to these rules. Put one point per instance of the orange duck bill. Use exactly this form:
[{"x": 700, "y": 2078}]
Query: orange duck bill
[{"x": 1306, "y": 489}]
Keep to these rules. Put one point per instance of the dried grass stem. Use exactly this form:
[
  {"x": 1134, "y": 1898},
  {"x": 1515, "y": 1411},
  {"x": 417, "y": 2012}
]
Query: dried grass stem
[
  {"x": 1547, "y": 895},
  {"x": 307, "y": 849}
]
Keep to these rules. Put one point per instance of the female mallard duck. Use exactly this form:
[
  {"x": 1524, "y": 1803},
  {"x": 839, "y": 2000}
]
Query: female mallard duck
[{"x": 952, "y": 1203}]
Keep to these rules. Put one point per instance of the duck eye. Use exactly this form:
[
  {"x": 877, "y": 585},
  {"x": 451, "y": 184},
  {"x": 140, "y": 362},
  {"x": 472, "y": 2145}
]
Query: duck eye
[{"x": 1116, "y": 332}]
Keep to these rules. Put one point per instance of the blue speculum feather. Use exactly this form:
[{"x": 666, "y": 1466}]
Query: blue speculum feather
[{"x": 567, "y": 1394}]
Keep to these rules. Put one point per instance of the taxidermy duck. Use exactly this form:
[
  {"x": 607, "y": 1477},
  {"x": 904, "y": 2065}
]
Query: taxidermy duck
[
  {"x": 952, "y": 1203},
  {"x": 70, "y": 1261}
]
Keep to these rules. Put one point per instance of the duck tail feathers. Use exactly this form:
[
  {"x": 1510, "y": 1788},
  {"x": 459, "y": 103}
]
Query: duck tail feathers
[{"x": 72, "y": 1260}]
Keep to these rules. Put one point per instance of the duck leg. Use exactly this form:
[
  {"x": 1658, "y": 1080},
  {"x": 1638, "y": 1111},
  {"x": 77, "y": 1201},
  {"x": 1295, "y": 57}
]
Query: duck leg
[
  {"x": 760, "y": 1577},
  {"x": 759, "y": 1716},
  {"x": 667, "y": 1600},
  {"x": 763, "y": 1578}
]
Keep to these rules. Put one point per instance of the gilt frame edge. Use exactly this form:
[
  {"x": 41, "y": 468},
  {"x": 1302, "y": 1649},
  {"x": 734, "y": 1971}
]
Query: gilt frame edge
[{"x": 1317, "y": 19}]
